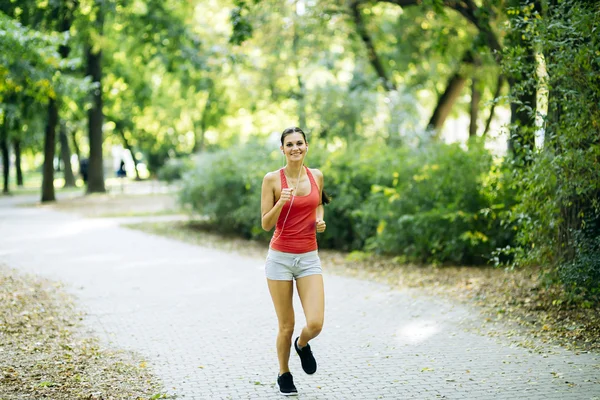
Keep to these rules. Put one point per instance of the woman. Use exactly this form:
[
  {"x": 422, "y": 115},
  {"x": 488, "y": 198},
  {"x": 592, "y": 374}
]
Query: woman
[{"x": 292, "y": 202}]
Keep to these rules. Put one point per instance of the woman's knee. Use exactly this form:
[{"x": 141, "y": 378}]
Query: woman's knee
[
  {"x": 286, "y": 329},
  {"x": 315, "y": 326}
]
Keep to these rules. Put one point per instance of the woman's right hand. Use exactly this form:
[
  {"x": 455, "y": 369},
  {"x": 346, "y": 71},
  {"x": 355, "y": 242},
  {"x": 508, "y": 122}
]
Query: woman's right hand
[{"x": 286, "y": 195}]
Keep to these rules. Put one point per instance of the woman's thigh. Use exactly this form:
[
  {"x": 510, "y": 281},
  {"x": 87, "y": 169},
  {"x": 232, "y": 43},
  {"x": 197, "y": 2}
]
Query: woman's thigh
[
  {"x": 312, "y": 296},
  {"x": 281, "y": 294}
]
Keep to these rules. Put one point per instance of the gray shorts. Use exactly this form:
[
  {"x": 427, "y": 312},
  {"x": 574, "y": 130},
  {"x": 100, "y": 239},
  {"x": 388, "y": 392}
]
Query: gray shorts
[{"x": 288, "y": 266}]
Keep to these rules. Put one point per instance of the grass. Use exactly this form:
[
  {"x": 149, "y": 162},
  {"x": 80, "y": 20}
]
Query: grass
[{"x": 517, "y": 301}]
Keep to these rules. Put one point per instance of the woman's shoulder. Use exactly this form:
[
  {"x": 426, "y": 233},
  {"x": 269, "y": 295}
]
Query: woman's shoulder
[
  {"x": 271, "y": 176},
  {"x": 316, "y": 172}
]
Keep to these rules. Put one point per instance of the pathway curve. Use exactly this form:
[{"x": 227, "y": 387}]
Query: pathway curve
[{"x": 204, "y": 320}]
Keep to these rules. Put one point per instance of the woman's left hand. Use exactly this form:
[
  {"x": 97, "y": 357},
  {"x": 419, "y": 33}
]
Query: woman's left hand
[{"x": 321, "y": 226}]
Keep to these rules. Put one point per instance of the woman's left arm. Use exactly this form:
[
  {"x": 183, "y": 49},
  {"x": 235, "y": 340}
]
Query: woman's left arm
[{"x": 321, "y": 226}]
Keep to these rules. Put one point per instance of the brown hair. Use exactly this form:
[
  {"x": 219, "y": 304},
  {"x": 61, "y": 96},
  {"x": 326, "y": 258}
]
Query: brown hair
[{"x": 290, "y": 130}]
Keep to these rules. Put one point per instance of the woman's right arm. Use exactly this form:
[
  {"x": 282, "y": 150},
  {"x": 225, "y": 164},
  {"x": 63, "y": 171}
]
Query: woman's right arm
[{"x": 270, "y": 209}]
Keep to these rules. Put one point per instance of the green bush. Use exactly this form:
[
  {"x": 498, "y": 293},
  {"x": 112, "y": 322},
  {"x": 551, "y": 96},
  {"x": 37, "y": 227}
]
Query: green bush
[
  {"x": 349, "y": 176},
  {"x": 581, "y": 273},
  {"x": 559, "y": 186},
  {"x": 442, "y": 206},
  {"x": 436, "y": 204},
  {"x": 174, "y": 169},
  {"x": 226, "y": 187}
]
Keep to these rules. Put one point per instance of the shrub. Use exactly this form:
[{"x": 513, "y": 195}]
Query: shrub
[
  {"x": 174, "y": 169},
  {"x": 442, "y": 206},
  {"x": 226, "y": 187},
  {"x": 559, "y": 186},
  {"x": 437, "y": 204}
]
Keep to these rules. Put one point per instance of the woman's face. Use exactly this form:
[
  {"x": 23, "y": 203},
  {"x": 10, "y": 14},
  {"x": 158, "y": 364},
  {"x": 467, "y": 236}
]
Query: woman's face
[{"x": 294, "y": 147}]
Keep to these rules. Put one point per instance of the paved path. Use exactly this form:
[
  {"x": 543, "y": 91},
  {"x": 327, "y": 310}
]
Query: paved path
[{"x": 204, "y": 321}]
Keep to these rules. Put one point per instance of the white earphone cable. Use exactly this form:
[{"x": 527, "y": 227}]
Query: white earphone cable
[{"x": 293, "y": 197}]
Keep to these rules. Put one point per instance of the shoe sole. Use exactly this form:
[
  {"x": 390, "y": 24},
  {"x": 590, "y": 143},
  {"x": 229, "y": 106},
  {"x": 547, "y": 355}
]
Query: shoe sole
[
  {"x": 285, "y": 394},
  {"x": 288, "y": 394}
]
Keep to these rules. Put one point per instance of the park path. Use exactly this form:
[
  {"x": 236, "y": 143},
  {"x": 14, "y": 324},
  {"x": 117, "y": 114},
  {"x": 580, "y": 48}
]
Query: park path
[{"x": 203, "y": 320}]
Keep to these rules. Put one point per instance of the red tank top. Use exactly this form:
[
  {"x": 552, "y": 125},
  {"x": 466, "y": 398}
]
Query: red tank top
[{"x": 299, "y": 232}]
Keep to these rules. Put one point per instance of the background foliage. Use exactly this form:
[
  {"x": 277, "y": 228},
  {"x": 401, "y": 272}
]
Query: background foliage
[
  {"x": 438, "y": 203},
  {"x": 448, "y": 132},
  {"x": 558, "y": 212}
]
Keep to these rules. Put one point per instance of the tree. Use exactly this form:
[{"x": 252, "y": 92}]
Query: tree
[
  {"x": 93, "y": 57},
  {"x": 41, "y": 77},
  {"x": 558, "y": 214},
  {"x": 31, "y": 77}
]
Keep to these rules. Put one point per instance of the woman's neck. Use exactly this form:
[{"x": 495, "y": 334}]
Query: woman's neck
[{"x": 293, "y": 170}]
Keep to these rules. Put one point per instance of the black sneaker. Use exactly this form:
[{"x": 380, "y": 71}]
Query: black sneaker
[
  {"x": 309, "y": 364},
  {"x": 286, "y": 385}
]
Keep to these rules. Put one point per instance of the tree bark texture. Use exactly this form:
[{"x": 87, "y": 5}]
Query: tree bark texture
[
  {"x": 453, "y": 89},
  {"x": 49, "y": 148},
  {"x": 200, "y": 127},
  {"x": 199, "y": 136},
  {"x": 474, "y": 108},
  {"x": 76, "y": 145},
  {"x": 499, "y": 84},
  {"x": 95, "y": 114},
  {"x": 131, "y": 150},
  {"x": 523, "y": 108},
  {"x": 65, "y": 155},
  {"x": 19, "y": 170},
  {"x": 446, "y": 101},
  {"x": 5, "y": 155}
]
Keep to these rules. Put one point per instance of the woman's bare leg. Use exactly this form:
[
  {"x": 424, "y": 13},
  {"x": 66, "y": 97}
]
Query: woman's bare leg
[
  {"x": 281, "y": 293},
  {"x": 312, "y": 296}
]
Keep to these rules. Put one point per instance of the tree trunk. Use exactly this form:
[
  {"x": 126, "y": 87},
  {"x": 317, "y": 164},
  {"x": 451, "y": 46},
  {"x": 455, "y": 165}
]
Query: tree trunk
[
  {"x": 522, "y": 138},
  {"x": 372, "y": 54},
  {"x": 523, "y": 108},
  {"x": 17, "y": 149},
  {"x": 58, "y": 163},
  {"x": 128, "y": 147},
  {"x": 446, "y": 101},
  {"x": 474, "y": 109},
  {"x": 301, "y": 95},
  {"x": 5, "y": 155},
  {"x": 49, "y": 148},
  {"x": 453, "y": 89},
  {"x": 499, "y": 84},
  {"x": 200, "y": 139},
  {"x": 76, "y": 145},
  {"x": 95, "y": 115},
  {"x": 65, "y": 155},
  {"x": 200, "y": 126},
  {"x": 301, "y": 102}
]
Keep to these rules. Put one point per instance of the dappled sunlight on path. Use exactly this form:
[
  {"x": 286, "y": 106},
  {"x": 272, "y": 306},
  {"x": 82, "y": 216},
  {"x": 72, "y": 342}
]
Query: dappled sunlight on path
[{"x": 417, "y": 331}]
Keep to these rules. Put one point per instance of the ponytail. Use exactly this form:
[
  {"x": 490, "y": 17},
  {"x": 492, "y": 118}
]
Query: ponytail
[{"x": 325, "y": 199}]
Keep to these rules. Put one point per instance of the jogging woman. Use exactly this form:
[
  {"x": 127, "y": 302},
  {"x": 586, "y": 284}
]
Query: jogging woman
[{"x": 292, "y": 202}]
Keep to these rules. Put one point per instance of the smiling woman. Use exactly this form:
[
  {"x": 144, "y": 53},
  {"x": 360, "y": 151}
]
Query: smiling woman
[{"x": 292, "y": 201}]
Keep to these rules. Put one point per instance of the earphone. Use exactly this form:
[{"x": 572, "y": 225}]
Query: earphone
[{"x": 293, "y": 197}]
